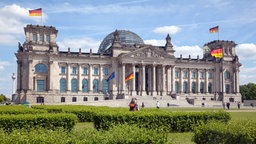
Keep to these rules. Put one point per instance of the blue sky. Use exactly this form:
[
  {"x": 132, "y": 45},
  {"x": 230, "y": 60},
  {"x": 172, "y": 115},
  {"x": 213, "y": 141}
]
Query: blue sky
[{"x": 84, "y": 24}]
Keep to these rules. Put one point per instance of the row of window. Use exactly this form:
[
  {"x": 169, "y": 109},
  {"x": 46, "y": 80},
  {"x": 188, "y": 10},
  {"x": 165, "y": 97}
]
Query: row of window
[
  {"x": 85, "y": 70},
  {"x": 85, "y": 86},
  {"x": 63, "y": 99},
  {"x": 201, "y": 87},
  {"x": 202, "y": 74},
  {"x": 41, "y": 38}
]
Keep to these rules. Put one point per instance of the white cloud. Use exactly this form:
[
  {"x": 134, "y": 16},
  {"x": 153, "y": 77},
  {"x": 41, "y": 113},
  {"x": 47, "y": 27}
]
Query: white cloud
[
  {"x": 84, "y": 43},
  {"x": 246, "y": 51},
  {"x": 167, "y": 30},
  {"x": 193, "y": 51},
  {"x": 13, "y": 19},
  {"x": 247, "y": 75},
  {"x": 3, "y": 64},
  {"x": 155, "y": 42}
]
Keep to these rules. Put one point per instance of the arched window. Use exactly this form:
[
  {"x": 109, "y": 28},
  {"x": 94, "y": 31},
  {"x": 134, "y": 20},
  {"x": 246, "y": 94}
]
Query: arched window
[
  {"x": 105, "y": 86},
  {"x": 185, "y": 87},
  {"x": 193, "y": 87},
  {"x": 177, "y": 87},
  {"x": 227, "y": 75},
  {"x": 85, "y": 85},
  {"x": 95, "y": 85},
  {"x": 63, "y": 85},
  {"x": 210, "y": 87},
  {"x": 201, "y": 87},
  {"x": 40, "y": 68},
  {"x": 73, "y": 85}
]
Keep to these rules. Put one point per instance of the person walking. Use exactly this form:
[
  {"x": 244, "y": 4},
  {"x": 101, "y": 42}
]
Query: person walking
[{"x": 157, "y": 104}]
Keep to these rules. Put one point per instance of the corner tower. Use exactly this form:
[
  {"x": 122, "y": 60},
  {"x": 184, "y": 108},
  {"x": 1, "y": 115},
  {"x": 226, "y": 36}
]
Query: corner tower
[{"x": 40, "y": 38}]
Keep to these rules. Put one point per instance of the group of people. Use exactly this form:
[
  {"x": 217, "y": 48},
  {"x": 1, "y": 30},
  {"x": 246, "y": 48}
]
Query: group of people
[{"x": 134, "y": 106}]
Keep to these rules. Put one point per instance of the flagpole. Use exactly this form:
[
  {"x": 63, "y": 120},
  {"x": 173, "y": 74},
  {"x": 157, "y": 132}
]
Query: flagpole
[{"x": 218, "y": 33}]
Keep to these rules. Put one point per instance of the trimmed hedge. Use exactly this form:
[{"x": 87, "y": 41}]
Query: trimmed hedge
[
  {"x": 235, "y": 132},
  {"x": 19, "y": 110},
  {"x": 121, "y": 134},
  {"x": 28, "y": 121},
  {"x": 169, "y": 121}
]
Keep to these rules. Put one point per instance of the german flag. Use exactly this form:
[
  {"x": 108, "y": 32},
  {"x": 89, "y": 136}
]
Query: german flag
[
  {"x": 214, "y": 29},
  {"x": 130, "y": 76},
  {"x": 217, "y": 53},
  {"x": 35, "y": 12}
]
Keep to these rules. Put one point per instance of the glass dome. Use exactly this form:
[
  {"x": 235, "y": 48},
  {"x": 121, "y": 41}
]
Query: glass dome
[{"x": 126, "y": 38}]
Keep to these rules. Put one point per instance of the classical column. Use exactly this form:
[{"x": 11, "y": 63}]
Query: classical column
[
  {"x": 133, "y": 81},
  {"x": 68, "y": 77},
  {"x": 79, "y": 82},
  {"x": 50, "y": 76},
  {"x": 181, "y": 81},
  {"x": 173, "y": 80},
  {"x": 168, "y": 84},
  {"x": 30, "y": 76},
  {"x": 123, "y": 78},
  {"x": 206, "y": 81},
  {"x": 143, "y": 84},
  {"x": 198, "y": 81},
  {"x": 237, "y": 81},
  {"x": 163, "y": 80},
  {"x": 154, "y": 81},
  {"x": 100, "y": 78},
  {"x": 189, "y": 80},
  {"x": 90, "y": 79}
]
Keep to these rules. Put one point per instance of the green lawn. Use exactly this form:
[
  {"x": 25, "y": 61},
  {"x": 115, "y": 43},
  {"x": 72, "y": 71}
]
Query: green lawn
[{"x": 185, "y": 138}]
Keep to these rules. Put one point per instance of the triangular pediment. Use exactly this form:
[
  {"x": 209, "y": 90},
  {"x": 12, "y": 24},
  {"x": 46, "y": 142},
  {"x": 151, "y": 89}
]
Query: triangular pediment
[{"x": 147, "y": 52}]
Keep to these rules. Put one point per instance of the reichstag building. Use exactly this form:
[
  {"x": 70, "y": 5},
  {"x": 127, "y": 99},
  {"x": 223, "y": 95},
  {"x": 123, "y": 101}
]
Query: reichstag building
[{"x": 47, "y": 75}]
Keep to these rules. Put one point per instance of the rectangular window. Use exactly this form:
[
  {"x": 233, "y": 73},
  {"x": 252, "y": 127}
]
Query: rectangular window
[
  {"x": 106, "y": 71},
  {"x": 34, "y": 37},
  {"x": 41, "y": 38},
  {"x": 202, "y": 75},
  {"x": 193, "y": 74},
  {"x": 73, "y": 70},
  {"x": 176, "y": 74},
  {"x": 185, "y": 74},
  {"x": 40, "y": 85},
  {"x": 96, "y": 71},
  {"x": 48, "y": 38},
  {"x": 63, "y": 70},
  {"x": 85, "y": 71},
  {"x": 210, "y": 75}
]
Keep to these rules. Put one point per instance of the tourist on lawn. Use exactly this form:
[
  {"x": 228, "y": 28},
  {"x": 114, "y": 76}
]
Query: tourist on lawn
[{"x": 157, "y": 104}]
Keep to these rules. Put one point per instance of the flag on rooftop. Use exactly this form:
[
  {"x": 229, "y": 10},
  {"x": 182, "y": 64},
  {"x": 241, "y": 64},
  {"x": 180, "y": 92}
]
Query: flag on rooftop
[
  {"x": 214, "y": 29},
  {"x": 35, "y": 12}
]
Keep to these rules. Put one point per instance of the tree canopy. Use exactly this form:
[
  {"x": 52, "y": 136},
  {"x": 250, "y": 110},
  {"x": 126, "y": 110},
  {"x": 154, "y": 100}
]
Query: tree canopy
[
  {"x": 248, "y": 91},
  {"x": 2, "y": 98}
]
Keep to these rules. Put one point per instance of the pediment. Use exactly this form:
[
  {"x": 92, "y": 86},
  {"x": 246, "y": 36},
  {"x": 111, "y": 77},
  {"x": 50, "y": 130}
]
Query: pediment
[{"x": 147, "y": 52}]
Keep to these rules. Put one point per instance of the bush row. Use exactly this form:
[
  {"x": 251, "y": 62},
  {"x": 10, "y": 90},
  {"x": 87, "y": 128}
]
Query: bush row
[
  {"x": 28, "y": 121},
  {"x": 169, "y": 121},
  {"x": 19, "y": 110},
  {"x": 235, "y": 132},
  {"x": 122, "y": 134}
]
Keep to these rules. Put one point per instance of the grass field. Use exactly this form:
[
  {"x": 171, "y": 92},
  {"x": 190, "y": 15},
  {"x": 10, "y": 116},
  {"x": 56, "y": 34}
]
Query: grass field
[{"x": 186, "y": 138}]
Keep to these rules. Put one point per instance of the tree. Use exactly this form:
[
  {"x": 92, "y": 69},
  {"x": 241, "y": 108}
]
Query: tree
[
  {"x": 2, "y": 98},
  {"x": 248, "y": 91}
]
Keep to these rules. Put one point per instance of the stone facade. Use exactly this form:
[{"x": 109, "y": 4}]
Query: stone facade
[{"x": 47, "y": 75}]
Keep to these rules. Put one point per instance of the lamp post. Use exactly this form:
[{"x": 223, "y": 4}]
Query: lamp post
[{"x": 13, "y": 80}]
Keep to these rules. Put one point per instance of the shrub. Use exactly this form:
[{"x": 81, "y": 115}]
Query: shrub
[
  {"x": 235, "y": 132},
  {"x": 49, "y": 121},
  {"x": 121, "y": 134}
]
